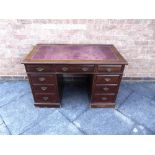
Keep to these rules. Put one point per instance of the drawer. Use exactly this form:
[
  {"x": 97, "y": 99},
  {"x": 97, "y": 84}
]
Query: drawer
[
  {"x": 109, "y": 68},
  {"x": 42, "y": 79},
  {"x": 44, "y": 88},
  {"x": 107, "y": 79},
  {"x": 100, "y": 88},
  {"x": 45, "y": 97},
  {"x": 103, "y": 98},
  {"x": 75, "y": 68},
  {"x": 40, "y": 68}
]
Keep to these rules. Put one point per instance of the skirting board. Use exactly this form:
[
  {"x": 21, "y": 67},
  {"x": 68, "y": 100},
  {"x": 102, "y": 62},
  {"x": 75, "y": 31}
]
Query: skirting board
[{"x": 72, "y": 78}]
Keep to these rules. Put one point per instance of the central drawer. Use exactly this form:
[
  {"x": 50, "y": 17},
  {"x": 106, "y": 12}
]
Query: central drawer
[
  {"x": 107, "y": 79},
  {"x": 42, "y": 79},
  {"x": 74, "y": 68}
]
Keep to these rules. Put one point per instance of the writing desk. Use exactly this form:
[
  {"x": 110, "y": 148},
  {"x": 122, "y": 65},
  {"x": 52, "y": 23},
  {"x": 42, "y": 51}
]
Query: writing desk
[{"x": 46, "y": 64}]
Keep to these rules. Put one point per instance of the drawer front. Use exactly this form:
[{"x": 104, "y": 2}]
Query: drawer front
[
  {"x": 75, "y": 68},
  {"x": 44, "y": 88},
  {"x": 107, "y": 79},
  {"x": 45, "y": 98},
  {"x": 43, "y": 79},
  {"x": 99, "y": 88},
  {"x": 103, "y": 98},
  {"x": 109, "y": 68},
  {"x": 40, "y": 68}
]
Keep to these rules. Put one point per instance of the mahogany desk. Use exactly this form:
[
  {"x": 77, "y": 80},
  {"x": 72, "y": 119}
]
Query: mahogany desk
[{"x": 46, "y": 64}]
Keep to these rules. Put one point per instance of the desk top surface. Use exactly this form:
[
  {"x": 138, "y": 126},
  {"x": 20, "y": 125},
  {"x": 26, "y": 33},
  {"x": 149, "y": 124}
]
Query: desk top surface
[{"x": 74, "y": 53}]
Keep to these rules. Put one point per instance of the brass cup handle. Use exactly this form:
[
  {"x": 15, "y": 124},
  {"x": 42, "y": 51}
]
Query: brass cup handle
[
  {"x": 40, "y": 69},
  {"x": 64, "y": 68},
  {"x": 107, "y": 79},
  {"x": 109, "y": 69},
  {"x": 85, "y": 69},
  {"x": 45, "y": 98},
  {"x": 104, "y": 98},
  {"x": 43, "y": 88},
  {"x": 41, "y": 79},
  {"x": 105, "y": 89}
]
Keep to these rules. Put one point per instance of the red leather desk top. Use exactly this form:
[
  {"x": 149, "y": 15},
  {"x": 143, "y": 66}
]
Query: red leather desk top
[{"x": 73, "y": 53}]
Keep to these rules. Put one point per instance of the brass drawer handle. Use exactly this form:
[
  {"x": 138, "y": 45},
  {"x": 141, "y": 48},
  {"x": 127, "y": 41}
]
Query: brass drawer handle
[
  {"x": 64, "y": 68},
  {"x": 104, "y": 98},
  {"x": 40, "y": 69},
  {"x": 85, "y": 69},
  {"x": 109, "y": 69},
  {"x": 105, "y": 89},
  {"x": 43, "y": 88},
  {"x": 41, "y": 79},
  {"x": 45, "y": 98},
  {"x": 107, "y": 79}
]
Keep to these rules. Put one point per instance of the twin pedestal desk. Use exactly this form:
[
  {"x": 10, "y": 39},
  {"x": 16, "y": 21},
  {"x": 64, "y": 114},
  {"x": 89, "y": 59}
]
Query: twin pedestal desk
[{"x": 46, "y": 64}]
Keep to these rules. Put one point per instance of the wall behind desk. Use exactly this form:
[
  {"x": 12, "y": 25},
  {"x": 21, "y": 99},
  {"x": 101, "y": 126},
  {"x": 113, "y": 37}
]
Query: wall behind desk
[{"x": 135, "y": 40}]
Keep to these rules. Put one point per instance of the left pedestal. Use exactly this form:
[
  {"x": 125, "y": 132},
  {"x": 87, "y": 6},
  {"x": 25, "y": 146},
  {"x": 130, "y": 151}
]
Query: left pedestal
[{"x": 45, "y": 89}]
